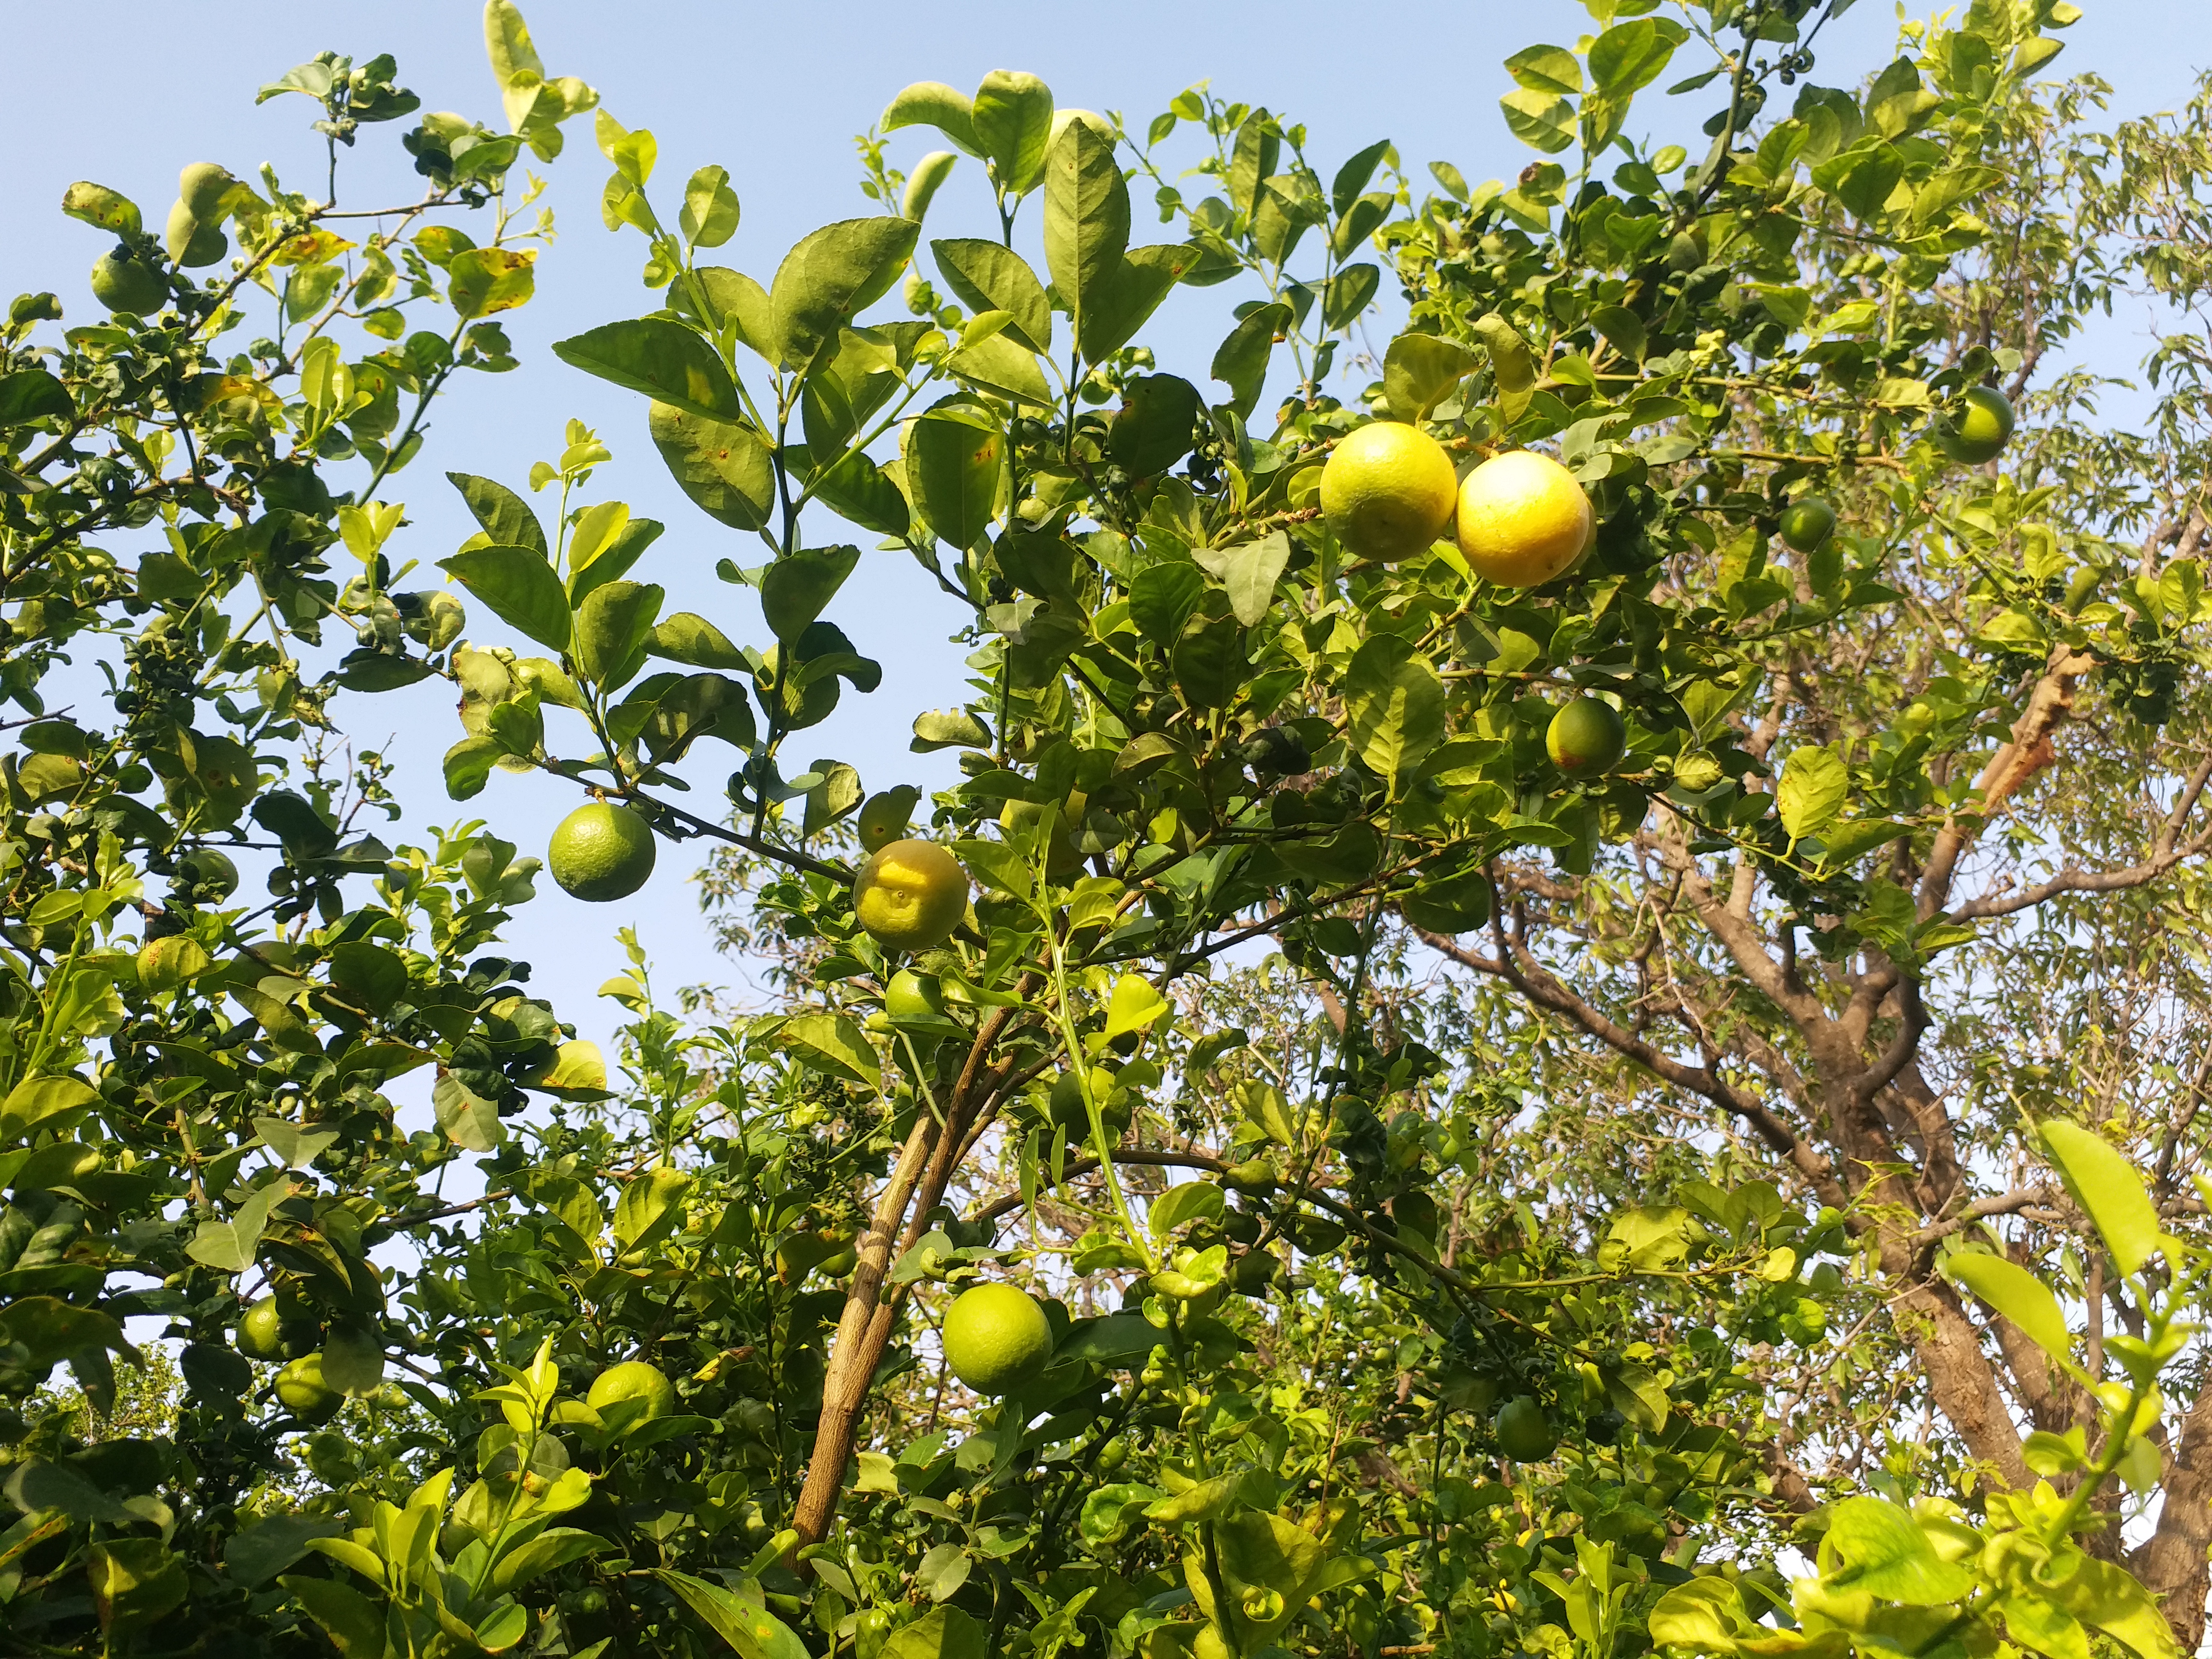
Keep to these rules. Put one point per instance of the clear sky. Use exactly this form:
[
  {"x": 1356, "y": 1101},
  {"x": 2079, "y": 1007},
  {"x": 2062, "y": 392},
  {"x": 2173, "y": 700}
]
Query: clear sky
[{"x": 127, "y": 95}]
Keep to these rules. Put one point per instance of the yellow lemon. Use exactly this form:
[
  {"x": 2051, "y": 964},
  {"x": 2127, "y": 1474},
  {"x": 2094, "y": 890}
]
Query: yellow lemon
[
  {"x": 910, "y": 896},
  {"x": 1522, "y": 520},
  {"x": 633, "y": 1380},
  {"x": 1388, "y": 491},
  {"x": 301, "y": 1388},
  {"x": 996, "y": 1338}
]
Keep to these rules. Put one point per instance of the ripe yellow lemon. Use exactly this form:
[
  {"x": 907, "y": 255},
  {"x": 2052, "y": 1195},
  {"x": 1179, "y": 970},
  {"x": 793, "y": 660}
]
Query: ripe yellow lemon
[
  {"x": 601, "y": 852},
  {"x": 1586, "y": 738},
  {"x": 910, "y": 896},
  {"x": 996, "y": 1338},
  {"x": 1388, "y": 491},
  {"x": 1523, "y": 519}
]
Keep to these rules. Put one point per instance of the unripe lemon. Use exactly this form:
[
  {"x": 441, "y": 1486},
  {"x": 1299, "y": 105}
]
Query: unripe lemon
[
  {"x": 1388, "y": 491},
  {"x": 996, "y": 1338},
  {"x": 914, "y": 996},
  {"x": 1586, "y": 738},
  {"x": 1522, "y": 520},
  {"x": 910, "y": 896},
  {"x": 300, "y": 1387},
  {"x": 1806, "y": 522},
  {"x": 123, "y": 283},
  {"x": 209, "y": 870},
  {"x": 260, "y": 1332},
  {"x": 633, "y": 1380},
  {"x": 601, "y": 852},
  {"x": 1980, "y": 429},
  {"x": 1524, "y": 1433}
]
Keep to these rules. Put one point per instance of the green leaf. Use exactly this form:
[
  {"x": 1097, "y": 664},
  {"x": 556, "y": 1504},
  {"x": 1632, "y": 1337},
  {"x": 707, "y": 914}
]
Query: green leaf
[
  {"x": 1396, "y": 703},
  {"x": 1118, "y": 303},
  {"x": 556, "y": 1547},
  {"x": 468, "y": 765},
  {"x": 1705, "y": 1615},
  {"x": 2104, "y": 1183},
  {"x": 468, "y": 1121},
  {"x": 1553, "y": 69},
  {"x": 955, "y": 463},
  {"x": 33, "y": 394},
  {"x": 1155, "y": 426},
  {"x": 483, "y": 281},
  {"x": 933, "y": 104},
  {"x": 1885, "y": 1555},
  {"x": 36, "y": 1099},
  {"x": 103, "y": 209},
  {"x": 1086, "y": 214},
  {"x": 831, "y": 276},
  {"x": 2017, "y": 1294},
  {"x": 859, "y": 491},
  {"x": 664, "y": 360},
  {"x": 504, "y": 515},
  {"x": 697, "y": 706},
  {"x": 1249, "y": 571},
  {"x": 1352, "y": 177},
  {"x": 1002, "y": 364},
  {"x": 1193, "y": 1200},
  {"x": 1540, "y": 120},
  {"x": 948, "y": 728},
  {"x": 692, "y": 639},
  {"x": 1134, "y": 1005},
  {"x": 262, "y": 1550},
  {"x": 1419, "y": 370},
  {"x": 733, "y": 300},
  {"x": 1512, "y": 365},
  {"x": 944, "y": 1632},
  {"x": 296, "y": 1147},
  {"x": 1632, "y": 55},
  {"x": 1241, "y": 361},
  {"x": 353, "y": 1359},
  {"x": 353, "y": 1622},
  {"x": 709, "y": 217},
  {"x": 985, "y": 276},
  {"x": 228, "y": 1246},
  {"x": 795, "y": 590},
  {"x": 1011, "y": 118},
  {"x": 519, "y": 587},
  {"x": 613, "y": 628},
  {"x": 1814, "y": 782},
  {"x": 1349, "y": 292},
  {"x": 832, "y": 1043},
  {"x": 725, "y": 467}
]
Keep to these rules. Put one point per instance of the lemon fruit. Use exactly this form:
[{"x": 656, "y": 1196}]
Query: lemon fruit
[
  {"x": 1586, "y": 738},
  {"x": 260, "y": 1332},
  {"x": 123, "y": 283},
  {"x": 1981, "y": 429},
  {"x": 1805, "y": 523},
  {"x": 633, "y": 1380},
  {"x": 910, "y": 896},
  {"x": 914, "y": 996},
  {"x": 996, "y": 1338},
  {"x": 1522, "y": 520},
  {"x": 601, "y": 852},
  {"x": 1524, "y": 1433},
  {"x": 1387, "y": 491},
  {"x": 210, "y": 873},
  {"x": 301, "y": 1387}
]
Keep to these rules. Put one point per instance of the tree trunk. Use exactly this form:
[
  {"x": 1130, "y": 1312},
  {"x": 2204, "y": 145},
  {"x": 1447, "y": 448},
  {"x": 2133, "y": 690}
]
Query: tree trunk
[{"x": 2172, "y": 1564}]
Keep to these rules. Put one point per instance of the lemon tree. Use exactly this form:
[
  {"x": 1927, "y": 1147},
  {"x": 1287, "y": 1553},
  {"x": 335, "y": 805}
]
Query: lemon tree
[{"x": 1389, "y": 1107}]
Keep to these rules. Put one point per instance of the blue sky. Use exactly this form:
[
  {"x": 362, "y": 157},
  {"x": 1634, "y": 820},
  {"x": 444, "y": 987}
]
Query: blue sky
[{"x": 774, "y": 93}]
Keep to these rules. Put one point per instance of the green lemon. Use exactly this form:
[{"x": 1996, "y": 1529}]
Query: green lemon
[
  {"x": 1587, "y": 738},
  {"x": 601, "y": 853},
  {"x": 1524, "y": 1433},
  {"x": 301, "y": 1387},
  {"x": 996, "y": 1338},
  {"x": 1389, "y": 490},
  {"x": 1806, "y": 522},
  {"x": 210, "y": 873},
  {"x": 123, "y": 283},
  {"x": 1981, "y": 429},
  {"x": 260, "y": 1331},
  {"x": 910, "y": 896},
  {"x": 914, "y": 996},
  {"x": 633, "y": 1380}
]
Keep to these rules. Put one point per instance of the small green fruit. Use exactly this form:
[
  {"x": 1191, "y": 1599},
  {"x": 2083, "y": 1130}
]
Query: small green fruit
[
  {"x": 1524, "y": 1433},
  {"x": 601, "y": 852},
  {"x": 123, "y": 283},
  {"x": 1981, "y": 429},
  {"x": 1806, "y": 522},
  {"x": 996, "y": 1338},
  {"x": 210, "y": 873},
  {"x": 914, "y": 996},
  {"x": 633, "y": 1380},
  {"x": 1586, "y": 738},
  {"x": 260, "y": 1331},
  {"x": 302, "y": 1390}
]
